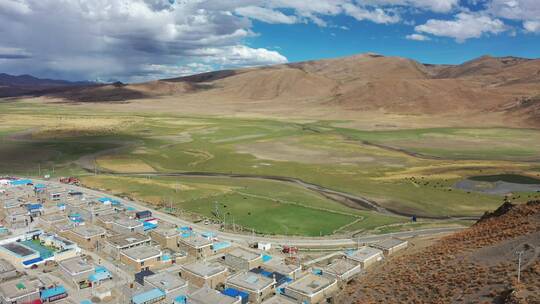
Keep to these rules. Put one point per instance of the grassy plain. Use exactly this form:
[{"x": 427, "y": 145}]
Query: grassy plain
[{"x": 407, "y": 170}]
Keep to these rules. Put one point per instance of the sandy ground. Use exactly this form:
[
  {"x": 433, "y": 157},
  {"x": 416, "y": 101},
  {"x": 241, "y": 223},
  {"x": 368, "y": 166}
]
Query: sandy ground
[{"x": 291, "y": 110}]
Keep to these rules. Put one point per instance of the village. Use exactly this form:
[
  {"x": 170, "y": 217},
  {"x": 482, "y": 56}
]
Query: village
[{"x": 60, "y": 243}]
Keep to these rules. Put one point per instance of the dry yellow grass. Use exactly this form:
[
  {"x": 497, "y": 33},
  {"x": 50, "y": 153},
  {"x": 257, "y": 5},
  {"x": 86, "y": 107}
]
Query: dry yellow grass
[
  {"x": 53, "y": 126},
  {"x": 455, "y": 169},
  {"x": 127, "y": 165}
]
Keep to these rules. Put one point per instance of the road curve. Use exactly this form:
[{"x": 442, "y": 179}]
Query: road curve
[{"x": 304, "y": 242}]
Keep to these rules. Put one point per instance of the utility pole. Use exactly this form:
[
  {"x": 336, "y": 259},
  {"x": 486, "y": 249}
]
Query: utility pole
[{"x": 520, "y": 254}]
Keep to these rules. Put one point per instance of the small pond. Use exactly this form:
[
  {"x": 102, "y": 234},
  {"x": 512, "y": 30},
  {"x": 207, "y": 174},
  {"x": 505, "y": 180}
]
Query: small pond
[{"x": 499, "y": 184}]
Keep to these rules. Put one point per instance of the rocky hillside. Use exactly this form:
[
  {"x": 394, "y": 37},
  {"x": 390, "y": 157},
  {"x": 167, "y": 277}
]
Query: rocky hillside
[
  {"x": 477, "y": 265},
  {"x": 366, "y": 82},
  {"x": 11, "y": 85}
]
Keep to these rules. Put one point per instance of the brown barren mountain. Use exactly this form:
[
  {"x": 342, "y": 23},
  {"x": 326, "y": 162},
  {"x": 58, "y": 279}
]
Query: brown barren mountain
[
  {"x": 506, "y": 86},
  {"x": 477, "y": 265}
]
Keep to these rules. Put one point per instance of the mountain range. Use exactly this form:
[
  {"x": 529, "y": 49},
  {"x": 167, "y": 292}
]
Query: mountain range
[{"x": 365, "y": 82}]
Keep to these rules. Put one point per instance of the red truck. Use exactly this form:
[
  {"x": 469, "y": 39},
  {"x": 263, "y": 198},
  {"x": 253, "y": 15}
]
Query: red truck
[
  {"x": 289, "y": 249},
  {"x": 70, "y": 180}
]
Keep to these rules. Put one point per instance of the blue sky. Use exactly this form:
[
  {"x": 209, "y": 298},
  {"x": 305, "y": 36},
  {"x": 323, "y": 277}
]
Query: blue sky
[
  {"x": 308, "y": 41},
  {"x": 140, "y": 40}
]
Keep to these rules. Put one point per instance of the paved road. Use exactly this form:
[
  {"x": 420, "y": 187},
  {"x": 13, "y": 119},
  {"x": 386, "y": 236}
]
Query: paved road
[{"x": 305, "y": 242}]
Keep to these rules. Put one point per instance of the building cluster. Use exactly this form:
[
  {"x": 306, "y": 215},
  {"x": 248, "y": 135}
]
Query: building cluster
[{"x": 60, "y": 244}]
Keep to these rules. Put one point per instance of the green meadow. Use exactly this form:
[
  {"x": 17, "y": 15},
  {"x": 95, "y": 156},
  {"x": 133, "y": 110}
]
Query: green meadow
[{"x": 409, "y": 171}]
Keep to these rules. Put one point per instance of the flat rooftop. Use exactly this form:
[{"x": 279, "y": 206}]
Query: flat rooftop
[
  {"x": 244, "y": 254},
  {"x": 63, "y": 226},
  {"x": 166, "y": 232},
  {"x": 166, "y": 281},
  {"x": 196, "y": 241},
  {"x": 204, "y": 269},
  {"x": 311, "y": 284},
  {"x": 127, "y": 222},
  {"x": 109, "y": 218},
  {"x": 250, "y": 281},
  {"x": 19, "y": 287},
  {"x": 365, "y": 253},
  {"x": 278, "y": 299},
  {"x": 6, "y": 266},
  {"x": 142, "y": 253},
  {"x": 281, "y": 266},
  {"x": 341, "y": 266},
  {"x": 54, "y": 217},
  {"x": 389, "y": 243},
  {"x": 207, "y": 295},
  {"x": 16, "y": 211},
  {"x": 88, "y": 231},
  {"x": 76, "y": 265},
  {"x": 128, "y": 239}
]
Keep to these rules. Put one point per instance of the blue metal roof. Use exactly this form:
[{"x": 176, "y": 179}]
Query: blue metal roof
[
  {"x": 208, "y": 234},
  {"x": 32, "y": 261},
  {"x": 31, "y": 207},
  {"x": 231, "y": 292},
  {"x": 102, "y": 269},
  {"x": 149, "y": 226},
  {"x": 51, "y": 292},
  {"x": 20, "y": 182},
  {"x": 221, "y": 245},
  {"x": 99, "y": 276},
  {"x": 180, "y": 300},
  {"x": 148, "y": 296}
]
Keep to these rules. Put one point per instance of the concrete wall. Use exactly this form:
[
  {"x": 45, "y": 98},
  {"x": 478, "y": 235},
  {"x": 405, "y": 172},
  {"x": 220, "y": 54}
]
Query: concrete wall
[
  {"x": 317, "y": 298},
  {"x": 85, "y": 243},
  {"x": 198, "y": 281},
  {"x": 194, "y": 252},
  {"x": 152, "y": 263},
  {"x": 165, "y": 242},
  {"x": 254, "y": 296}
]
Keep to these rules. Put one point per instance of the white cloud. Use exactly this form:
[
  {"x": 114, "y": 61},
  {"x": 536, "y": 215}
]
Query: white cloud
[
  {"x": 14, "y": 7},
  {"x": 532, "y": 26},
  {"x": 463, "y": 27},
  {"x": 515, "y": 9},
  {"x": 14, "y": 53},
  {"x": 90, "y": 39},
  {"x": 417, "y": 37},
  {"x": 265, "y": 15},
  {"x": 376, "y": 15},
  {"x": 117, "y": 39},
  {"x": 238, "y": 55},
  {"x": 527, "y": 11},
  {"x": 440, "y": 6}
]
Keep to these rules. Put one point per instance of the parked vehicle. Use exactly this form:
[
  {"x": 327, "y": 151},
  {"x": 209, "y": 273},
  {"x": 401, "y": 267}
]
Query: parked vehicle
[{"x": 70, "y": 180}]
